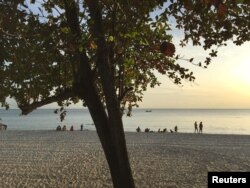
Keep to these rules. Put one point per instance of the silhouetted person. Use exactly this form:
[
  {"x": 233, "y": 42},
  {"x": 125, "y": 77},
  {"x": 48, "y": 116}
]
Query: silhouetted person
[
  {"x": 200, "y": 127},
  {"x": 176, "y": 129},
  {"x": 147, "y": 130},
  {"x": 81, "y": 127},
  {"x": 164, "y": 130},
  {"x": 138, "y": 129},
  {"x": 64, "y": 128},
  {"x": 195, "y": 127},
  {"x": 59, "y": 128},
  {"x": 72, "y": 128},
  {"x": 159, "y": 130}
]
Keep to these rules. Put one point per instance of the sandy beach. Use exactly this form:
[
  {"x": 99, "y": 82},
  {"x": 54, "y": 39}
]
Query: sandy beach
[{"x": 75, "y": 159}]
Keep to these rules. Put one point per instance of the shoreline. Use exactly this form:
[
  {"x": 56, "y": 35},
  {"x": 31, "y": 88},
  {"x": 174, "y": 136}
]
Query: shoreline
[
  {"x": 131, "y": 132},
  {"x": 215, "y": 121},
  {"x": 76, "y": 159}
]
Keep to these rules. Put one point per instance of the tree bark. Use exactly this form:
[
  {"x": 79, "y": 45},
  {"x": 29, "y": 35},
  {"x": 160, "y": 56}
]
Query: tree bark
[
  {"x": 111, "y": 134},
  {"x": 113, "y": 144},
  {"x": 120, "y": 167}
]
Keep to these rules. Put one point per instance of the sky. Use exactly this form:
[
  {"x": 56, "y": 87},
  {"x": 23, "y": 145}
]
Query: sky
[{"x": 225, "y": 84}]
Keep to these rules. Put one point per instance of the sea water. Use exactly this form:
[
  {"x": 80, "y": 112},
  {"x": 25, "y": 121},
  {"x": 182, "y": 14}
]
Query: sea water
[{"x": 216, "y": 121}]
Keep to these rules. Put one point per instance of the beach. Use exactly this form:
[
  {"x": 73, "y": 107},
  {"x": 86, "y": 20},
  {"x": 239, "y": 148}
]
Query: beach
[{"x": 66, "y": 159}]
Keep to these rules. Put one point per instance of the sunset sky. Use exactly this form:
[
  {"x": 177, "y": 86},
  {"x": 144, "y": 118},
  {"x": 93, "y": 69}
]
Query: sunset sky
[{"x": 225, "y": 84}]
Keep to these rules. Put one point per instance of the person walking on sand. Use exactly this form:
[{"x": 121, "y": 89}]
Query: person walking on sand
[
  {"x": 138, "y": 129},
  {"x": 200, "y": 127},
  {"x": 195, "y": 127}
]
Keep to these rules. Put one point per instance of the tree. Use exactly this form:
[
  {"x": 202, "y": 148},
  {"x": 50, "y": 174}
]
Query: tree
[{"x": 105, "y": 54}]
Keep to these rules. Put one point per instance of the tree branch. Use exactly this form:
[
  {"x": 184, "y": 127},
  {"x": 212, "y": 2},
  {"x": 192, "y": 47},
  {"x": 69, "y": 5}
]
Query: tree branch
[
  {"x": 121, "y": 97},
  {"x": 27, "y": 108}
]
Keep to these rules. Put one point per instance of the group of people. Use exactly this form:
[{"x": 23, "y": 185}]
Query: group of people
[
  {"x": 64, "y": 128},
  {"x": 175, "y": 130},
  {"x": 196, "y": 129},
  {"x": 138, "y": 129},
  {"x": 147, "y": 130}
]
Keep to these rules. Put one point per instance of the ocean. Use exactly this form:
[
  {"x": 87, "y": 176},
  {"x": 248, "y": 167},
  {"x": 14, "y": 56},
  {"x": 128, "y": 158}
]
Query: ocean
[{"x": 215, "y": 121}]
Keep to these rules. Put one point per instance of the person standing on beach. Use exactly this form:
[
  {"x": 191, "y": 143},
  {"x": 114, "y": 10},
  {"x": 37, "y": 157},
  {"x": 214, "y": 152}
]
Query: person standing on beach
[
  {"x": 200, "y": 127},
  {"x": 81, "y": 127},
  {"x": 176, "y": 129},
  {"x": 59, "y": 128},
  {"x": 195, "y": 127}
]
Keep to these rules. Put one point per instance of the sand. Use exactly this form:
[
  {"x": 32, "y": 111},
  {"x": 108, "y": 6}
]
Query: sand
[{"x": 75, "y": 159}]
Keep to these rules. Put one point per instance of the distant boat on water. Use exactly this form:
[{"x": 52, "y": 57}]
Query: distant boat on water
[{"x": 148, "y": 111}]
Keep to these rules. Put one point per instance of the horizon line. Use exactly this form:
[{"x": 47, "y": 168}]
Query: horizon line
[{"x": 142, "y": 108}]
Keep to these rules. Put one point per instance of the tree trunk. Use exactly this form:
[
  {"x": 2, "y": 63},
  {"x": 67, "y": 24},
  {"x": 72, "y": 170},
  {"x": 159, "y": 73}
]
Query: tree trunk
[
  {"x": 112, "y": 139},
  {"x": 109, "y": 129}
]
